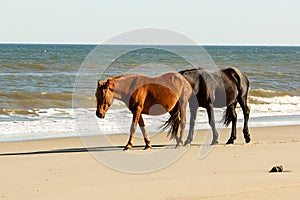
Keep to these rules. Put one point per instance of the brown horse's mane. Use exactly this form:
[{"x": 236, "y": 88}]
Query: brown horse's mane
[
  {"x": 124, "y": 87},
  {"x": 117, "y": 77},
  {"x": 125, "y": 79}
]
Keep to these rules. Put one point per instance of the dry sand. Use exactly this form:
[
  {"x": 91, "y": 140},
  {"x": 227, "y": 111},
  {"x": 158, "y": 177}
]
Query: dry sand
[{"x": 63, "y": 169}]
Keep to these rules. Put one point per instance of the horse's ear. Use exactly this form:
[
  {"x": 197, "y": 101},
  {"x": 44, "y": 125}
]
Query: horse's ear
[
  {"x": 100, "y": 83},
  {"x": 110, "y": 83}
]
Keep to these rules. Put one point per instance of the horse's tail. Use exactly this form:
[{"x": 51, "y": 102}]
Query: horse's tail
[
  {"x": 227, "y": 117},
  {"x": 242, "y": 83},
  {"x": 173, "y": 122}
]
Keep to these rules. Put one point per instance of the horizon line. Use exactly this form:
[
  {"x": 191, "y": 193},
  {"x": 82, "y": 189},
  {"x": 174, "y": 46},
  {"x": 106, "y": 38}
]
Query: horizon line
[{"x": 207, "y": 44}]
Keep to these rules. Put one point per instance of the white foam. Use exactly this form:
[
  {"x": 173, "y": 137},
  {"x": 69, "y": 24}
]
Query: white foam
[
  {"x": 275, "y": 106},
  {"x": 292, "y": 100},
  {"x": 56, "y": 122}
]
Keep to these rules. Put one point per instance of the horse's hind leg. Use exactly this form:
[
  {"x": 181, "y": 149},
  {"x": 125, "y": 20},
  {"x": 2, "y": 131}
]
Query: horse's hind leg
[
  {"x": 182, "y": 123},
  {"x": 144, "y": 132},
  {"x": 231, "y": 116},
  {"x": 246, "y": 112}
]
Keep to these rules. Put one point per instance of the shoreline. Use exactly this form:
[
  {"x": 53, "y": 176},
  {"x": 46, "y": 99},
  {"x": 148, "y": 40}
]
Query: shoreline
[
  {"x": 255, "y": 122},
  {"x": 223, "y": 133},
  {"x": 63, "y": 168}
]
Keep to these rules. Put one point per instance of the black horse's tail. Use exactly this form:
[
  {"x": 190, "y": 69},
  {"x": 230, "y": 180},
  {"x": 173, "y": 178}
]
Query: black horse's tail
[
  {"x": 173, "y": 122},
  {"x": 242, "y": 84},
  {"x": 227, "y": 117}
]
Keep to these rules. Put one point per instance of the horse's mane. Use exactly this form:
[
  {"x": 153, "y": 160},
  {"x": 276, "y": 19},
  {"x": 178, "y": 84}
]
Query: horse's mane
[
  {"x": 191, "y": 70},
  {"x": 116, "y": 77},
  {"x": 124, "y": 75}
]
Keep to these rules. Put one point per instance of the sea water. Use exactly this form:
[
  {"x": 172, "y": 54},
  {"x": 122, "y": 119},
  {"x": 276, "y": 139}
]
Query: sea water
[{"x": 37, "y": 85}]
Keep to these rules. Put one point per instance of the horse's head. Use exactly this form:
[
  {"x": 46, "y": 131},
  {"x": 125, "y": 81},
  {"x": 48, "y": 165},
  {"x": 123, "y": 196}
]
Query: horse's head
[{"x": 104, "y": 96}]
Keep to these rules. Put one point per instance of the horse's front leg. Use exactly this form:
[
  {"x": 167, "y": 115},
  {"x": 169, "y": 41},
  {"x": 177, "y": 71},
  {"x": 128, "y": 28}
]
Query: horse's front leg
[
  {"x": 211, "y": 118},
  {"x": 144, "y": 132},
  {"x": 189, "y": 139},
  {"x": 182, "y": 123},
  {"x": 135, "y": 119}
]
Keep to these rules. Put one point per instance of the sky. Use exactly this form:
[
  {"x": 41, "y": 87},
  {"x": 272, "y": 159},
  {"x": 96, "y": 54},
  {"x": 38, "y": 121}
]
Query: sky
[{"x": 223, "y": 22}]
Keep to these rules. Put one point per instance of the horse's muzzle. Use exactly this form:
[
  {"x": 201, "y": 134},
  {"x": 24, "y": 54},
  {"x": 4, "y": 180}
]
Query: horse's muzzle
[{"x": 100, "y": 115}]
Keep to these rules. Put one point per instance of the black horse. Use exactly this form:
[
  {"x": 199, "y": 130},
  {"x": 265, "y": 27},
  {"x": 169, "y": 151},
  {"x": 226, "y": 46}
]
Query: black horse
[{"x": 218, "y": 89}]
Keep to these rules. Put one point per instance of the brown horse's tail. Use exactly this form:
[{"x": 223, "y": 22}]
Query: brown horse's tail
[{"x": 173, "y": 122}]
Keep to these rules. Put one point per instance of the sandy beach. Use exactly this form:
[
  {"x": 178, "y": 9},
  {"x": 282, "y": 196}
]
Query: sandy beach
[{"x": 63, "y": 168}]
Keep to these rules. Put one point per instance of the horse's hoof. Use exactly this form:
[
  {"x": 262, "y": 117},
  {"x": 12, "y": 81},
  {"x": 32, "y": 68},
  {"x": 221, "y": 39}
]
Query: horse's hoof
[
  {"x": 230, "y": 141},
  {"x": 214, "y": 142},
  {"x": 148, "y": 147},
  {"x": 179, "y": 145},
  {"x": 247, "y": 139},
  {"x": 127, "y": 147},
  {"x": 187, "y": 143}
]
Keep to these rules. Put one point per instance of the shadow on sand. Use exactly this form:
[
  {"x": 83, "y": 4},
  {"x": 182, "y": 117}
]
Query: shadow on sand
[
  {"x": 95, "y": 149},
  {"x": 83, "y": 149}
]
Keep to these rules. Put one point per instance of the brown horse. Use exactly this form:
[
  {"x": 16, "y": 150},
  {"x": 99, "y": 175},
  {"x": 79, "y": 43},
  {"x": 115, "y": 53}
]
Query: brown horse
[{"x": 169, "y": 92}]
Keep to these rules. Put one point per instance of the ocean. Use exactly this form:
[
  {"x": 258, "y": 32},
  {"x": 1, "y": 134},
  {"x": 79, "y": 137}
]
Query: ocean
[{"x": 47, "y": 91}]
